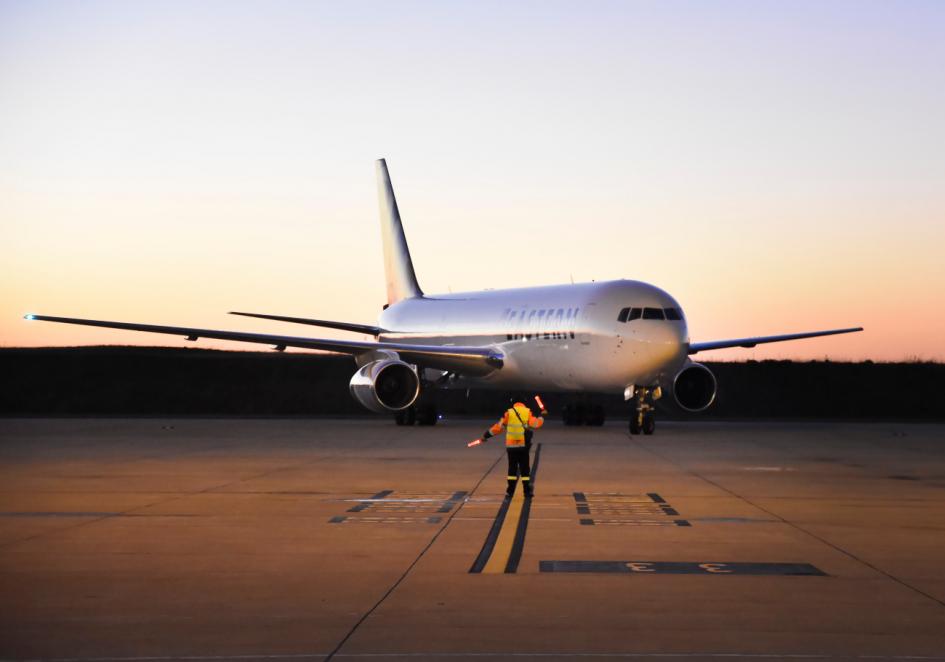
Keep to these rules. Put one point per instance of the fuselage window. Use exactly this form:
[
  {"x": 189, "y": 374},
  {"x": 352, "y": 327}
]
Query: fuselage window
[
  {"x": 672, "y": 314},
  {"x": 634, "y": 314},
  {"x": 622, "y": 317},
  {"x": 653, "y": 314}
]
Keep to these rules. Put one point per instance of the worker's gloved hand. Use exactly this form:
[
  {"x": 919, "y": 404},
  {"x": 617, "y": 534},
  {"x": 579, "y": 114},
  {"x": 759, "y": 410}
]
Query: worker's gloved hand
[
  {"x": 544, "y": 412},
  {"x": 486, "y": 435}
]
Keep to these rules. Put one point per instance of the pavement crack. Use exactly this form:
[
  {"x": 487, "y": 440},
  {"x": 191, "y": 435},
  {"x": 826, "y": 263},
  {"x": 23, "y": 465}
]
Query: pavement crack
[
  {"x": 793, "y": 525},
  {"x": 413, "y": 564},
  {"x": 176, "y": 497}
]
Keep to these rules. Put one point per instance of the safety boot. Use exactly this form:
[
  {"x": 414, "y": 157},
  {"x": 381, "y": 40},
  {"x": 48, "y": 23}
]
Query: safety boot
[{"x": 510, "y": 490}]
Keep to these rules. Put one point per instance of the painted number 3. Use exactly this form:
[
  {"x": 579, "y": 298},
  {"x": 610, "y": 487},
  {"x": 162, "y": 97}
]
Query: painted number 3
[{"x": 715, "y": 567}]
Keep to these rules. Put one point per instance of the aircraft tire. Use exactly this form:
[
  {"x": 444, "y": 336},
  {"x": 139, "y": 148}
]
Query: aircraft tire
[
  {"x": 634, "y": 423},
  {"x": 649, "y": 423},
  {"x": 569, "y": 416},
  {"x": 426, "y": 415}
]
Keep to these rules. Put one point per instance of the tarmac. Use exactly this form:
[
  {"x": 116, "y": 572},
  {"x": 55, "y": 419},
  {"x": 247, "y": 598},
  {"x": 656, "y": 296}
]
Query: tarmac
[{"x": 310, "y": 539}]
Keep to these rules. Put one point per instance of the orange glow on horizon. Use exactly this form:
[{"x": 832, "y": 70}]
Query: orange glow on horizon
[{"x": 725, "y": 165}]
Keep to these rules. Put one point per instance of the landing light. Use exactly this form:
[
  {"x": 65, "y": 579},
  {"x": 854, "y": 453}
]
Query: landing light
[{"x": 29, "y": 316}]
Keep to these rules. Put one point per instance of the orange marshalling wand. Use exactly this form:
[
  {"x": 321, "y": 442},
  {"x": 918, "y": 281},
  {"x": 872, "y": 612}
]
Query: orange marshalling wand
[
  {"x": 540, "y": 403},
  {"x": 474, "y": 442}
]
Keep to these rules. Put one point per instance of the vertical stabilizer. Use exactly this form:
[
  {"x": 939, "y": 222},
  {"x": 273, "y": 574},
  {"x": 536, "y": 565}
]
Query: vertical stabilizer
[{"x": 398, "y": 268}]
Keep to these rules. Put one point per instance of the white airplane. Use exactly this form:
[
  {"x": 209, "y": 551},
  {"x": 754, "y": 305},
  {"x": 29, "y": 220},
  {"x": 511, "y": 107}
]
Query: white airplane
[{"x": 603, "y": 337}]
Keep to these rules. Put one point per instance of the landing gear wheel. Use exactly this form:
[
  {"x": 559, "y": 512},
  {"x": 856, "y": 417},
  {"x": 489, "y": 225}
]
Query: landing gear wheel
[
  {"x": 567, "y": 415},
  {"x": 407, "y": 416},
  {"x": 643, "y": 414},
  {"x": 596, "y": 416},
  {"x": 427, "y": 415},
  {"x": 649, "y": 423}
]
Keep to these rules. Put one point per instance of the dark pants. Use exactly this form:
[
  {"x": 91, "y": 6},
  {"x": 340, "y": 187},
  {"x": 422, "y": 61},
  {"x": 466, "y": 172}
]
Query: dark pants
[{"x": 518, "y": 466}]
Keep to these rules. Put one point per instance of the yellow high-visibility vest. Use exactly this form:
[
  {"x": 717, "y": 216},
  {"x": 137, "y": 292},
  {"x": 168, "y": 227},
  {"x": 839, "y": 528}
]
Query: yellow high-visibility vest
[{"x": 514, "y": 427}]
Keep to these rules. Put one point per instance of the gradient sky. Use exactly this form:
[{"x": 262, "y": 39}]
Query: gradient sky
[{"x": 776, "y": 166}]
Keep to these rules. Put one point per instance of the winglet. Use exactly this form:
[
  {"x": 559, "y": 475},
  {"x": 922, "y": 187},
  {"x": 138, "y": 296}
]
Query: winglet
[{"x": 398, "y": 268}]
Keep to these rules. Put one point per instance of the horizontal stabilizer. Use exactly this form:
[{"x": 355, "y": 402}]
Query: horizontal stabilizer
[
  {"x": 758, "y": 340},
  {"x": 328, "y": 324},
  {"x": 473, "y": 361}
]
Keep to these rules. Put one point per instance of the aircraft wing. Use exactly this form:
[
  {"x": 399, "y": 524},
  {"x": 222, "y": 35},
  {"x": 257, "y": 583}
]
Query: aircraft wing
[
  {"x": 328, "y": 324},
  {"x": 468, "y": 360},
  {"x": 751, "y": 342}
]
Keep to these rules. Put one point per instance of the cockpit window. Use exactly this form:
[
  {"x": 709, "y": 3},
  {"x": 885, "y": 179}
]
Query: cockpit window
[
  {"x": 653, "y": 314},
  {"x": 634, "y": 314},
  {"x": 622, "y": 317},
  {"x": 672, "y": 314}
]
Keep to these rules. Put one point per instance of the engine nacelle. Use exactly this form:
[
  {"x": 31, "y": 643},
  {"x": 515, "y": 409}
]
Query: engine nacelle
[
  {"x": 385, "y": 386},
  {"x": 694, "y": 387}
]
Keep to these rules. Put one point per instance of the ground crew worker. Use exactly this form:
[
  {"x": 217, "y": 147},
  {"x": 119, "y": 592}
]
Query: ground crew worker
[{"x": 516, "y": 420}]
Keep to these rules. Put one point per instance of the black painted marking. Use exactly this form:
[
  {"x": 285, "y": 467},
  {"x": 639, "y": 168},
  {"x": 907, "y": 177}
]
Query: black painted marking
[
  {"x": 367, "y": 504},
  {"x": 446, "y": 507},
  {"x": 681, "y": 568},
  {"x": 337, "y": 519},
  {"x": 635, "y": 522},
  {"x": 518, "y": 544},
  {"x": 457, "y": 496},
  {"x": 489, "y": 544},
  {"x": 433, "y": 520},
  {"x": 613, "y": 508}
]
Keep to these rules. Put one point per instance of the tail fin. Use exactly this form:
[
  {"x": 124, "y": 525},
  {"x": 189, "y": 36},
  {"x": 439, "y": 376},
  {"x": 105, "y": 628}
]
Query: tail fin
[{"x": 398, "y": 268}]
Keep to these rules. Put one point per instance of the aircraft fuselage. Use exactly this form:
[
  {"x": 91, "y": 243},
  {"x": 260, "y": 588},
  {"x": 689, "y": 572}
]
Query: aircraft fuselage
[{"x": 559, "y": 337}]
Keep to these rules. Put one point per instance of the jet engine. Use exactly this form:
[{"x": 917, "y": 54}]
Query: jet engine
[
  {"x": 385, "y": 386},
  {"x": 694, "y": 387}
]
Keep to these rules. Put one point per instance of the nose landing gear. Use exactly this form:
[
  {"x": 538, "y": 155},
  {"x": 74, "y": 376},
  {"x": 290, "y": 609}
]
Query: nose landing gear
[{"x": 642, "y": 414}]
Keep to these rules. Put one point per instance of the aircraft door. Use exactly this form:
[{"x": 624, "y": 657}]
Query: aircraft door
[{"x": 585, "y": 324}]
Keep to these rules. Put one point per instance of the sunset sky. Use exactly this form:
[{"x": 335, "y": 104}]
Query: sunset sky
[{"x": 776, "y": 166}]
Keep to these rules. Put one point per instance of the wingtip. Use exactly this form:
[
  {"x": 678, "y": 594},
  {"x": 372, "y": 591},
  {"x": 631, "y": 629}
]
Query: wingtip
[{"x": 29, "y": 316}]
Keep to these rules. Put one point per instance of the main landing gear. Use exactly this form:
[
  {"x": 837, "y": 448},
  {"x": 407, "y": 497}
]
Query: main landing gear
[
  {"x": 642, "y": 413},
  {"x": 583, "y": 413},
  {"x": 422, "y": 412}
]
